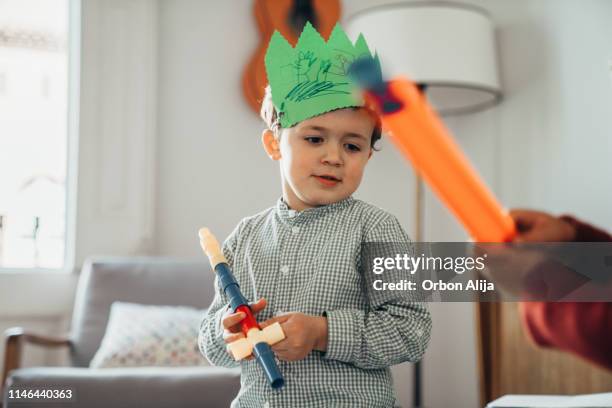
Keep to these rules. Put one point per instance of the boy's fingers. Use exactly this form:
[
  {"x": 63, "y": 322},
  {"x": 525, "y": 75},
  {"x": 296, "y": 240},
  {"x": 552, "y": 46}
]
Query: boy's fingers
[
  {"x": 266, "y": 323},
  {"x": 281, "y": 319},
  {"x": 230, "y": 337},
  {"x": 233, "y": 319},
  {"x": 284, "y": 355},
  {"x": 259, "y": 305},
  {"x": 279, "y": 347}
]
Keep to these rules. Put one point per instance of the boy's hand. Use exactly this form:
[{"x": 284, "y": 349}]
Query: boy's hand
[
  {"x": 231, "y": 322},
  {"x": 303, "y": 333}
]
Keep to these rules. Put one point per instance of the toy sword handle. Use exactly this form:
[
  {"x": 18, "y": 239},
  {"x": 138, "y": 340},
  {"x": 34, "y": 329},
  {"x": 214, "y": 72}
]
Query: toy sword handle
[{"x": 238, "y": 303}]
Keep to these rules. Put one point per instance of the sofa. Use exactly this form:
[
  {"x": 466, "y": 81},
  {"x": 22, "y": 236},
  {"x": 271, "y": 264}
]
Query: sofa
[{"x": 143, "y": 280}]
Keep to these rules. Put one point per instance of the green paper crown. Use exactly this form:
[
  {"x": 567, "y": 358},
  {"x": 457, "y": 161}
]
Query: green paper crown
[{"x": 312, "y": 78}]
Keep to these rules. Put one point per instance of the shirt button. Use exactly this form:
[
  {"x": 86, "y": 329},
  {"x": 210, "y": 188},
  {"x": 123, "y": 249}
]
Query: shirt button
[
  {"x": 295, "y": 230},
  {"x": 284, "y": 269},
  {"x": 291, "y": 213},
  {"x": 266, "y": 405},
  {"x": 419, "y": 332}
]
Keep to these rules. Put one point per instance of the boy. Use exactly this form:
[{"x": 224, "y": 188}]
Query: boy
[{"x": 303, "y": 256}]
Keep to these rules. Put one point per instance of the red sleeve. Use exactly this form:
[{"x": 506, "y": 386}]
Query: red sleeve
[
  {"x": 586, "y": 232},
  {"x": 582, "y": 328}
]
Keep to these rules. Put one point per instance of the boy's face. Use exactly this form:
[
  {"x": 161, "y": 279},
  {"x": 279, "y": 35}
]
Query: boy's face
[{"x": 322, "y": 158}]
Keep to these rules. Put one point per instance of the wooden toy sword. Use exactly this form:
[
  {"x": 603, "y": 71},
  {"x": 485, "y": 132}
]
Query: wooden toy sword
[{"x": 255, "y": 341}]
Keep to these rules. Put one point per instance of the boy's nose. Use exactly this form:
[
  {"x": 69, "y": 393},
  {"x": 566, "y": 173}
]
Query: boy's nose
[{"x": 333, "y": 156}]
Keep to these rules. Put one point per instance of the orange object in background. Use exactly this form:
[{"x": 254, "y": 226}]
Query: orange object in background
[
  {"x": 419, "y": 134},
  {"x": 288, "y": 17}
]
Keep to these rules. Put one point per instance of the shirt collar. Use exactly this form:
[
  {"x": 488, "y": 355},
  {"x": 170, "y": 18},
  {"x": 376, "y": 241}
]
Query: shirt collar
[{"x": 292, "y": 216}]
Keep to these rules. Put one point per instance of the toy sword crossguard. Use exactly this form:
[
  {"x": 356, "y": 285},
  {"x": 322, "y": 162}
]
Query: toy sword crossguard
[{"x": 255, "y": 341}]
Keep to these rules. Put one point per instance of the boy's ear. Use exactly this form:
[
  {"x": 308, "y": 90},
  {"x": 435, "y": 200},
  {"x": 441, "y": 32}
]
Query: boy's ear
[{"x": 270, "y": 144}]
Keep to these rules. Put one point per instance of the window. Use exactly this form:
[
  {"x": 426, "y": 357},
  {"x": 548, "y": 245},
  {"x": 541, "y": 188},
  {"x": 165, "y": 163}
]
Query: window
[{"x": 33, "y": 132}]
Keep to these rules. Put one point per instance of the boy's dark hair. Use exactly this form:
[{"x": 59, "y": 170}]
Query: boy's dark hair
[{"x": 270, "y": 117}]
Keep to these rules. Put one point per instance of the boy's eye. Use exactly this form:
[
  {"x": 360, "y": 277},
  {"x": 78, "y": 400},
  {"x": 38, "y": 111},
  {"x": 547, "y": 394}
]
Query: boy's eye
[
  {"x": 353, "y": 147},
  {"x": 314, "y": 139}
]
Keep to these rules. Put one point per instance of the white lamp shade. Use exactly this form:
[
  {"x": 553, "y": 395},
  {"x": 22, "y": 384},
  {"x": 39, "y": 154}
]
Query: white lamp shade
[{"x": 449, "y": 47}]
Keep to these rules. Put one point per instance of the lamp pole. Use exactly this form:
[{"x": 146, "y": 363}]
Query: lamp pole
[{"x": 417, "y": 400}]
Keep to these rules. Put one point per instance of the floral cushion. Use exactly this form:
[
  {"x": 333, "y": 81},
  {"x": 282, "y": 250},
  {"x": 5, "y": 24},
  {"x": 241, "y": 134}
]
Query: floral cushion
[{"x": 146, "y": 335}]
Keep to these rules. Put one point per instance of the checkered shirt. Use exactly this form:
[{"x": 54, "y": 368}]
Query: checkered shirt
[{"x": 309, "y": 262}]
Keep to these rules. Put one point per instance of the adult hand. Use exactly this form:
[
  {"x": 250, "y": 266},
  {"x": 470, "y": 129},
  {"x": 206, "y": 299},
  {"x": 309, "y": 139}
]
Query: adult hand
[
  {"x": 538, "y": 226},
  {"x": 529, "y": 272}
]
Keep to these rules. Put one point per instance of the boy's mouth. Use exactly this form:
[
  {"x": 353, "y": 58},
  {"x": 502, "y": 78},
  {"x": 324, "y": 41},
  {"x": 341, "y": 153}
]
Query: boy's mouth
[{"x": 327, "y": 179}]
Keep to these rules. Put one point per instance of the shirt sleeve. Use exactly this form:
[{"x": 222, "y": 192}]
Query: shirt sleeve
[
  {"x": 210, "y": 338},
  {"x": 586, "y": 232},
  {"x": 390, "y": 331}
]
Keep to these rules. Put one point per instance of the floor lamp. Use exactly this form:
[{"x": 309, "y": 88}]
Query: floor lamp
[{"x": 448, "y": 49}]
